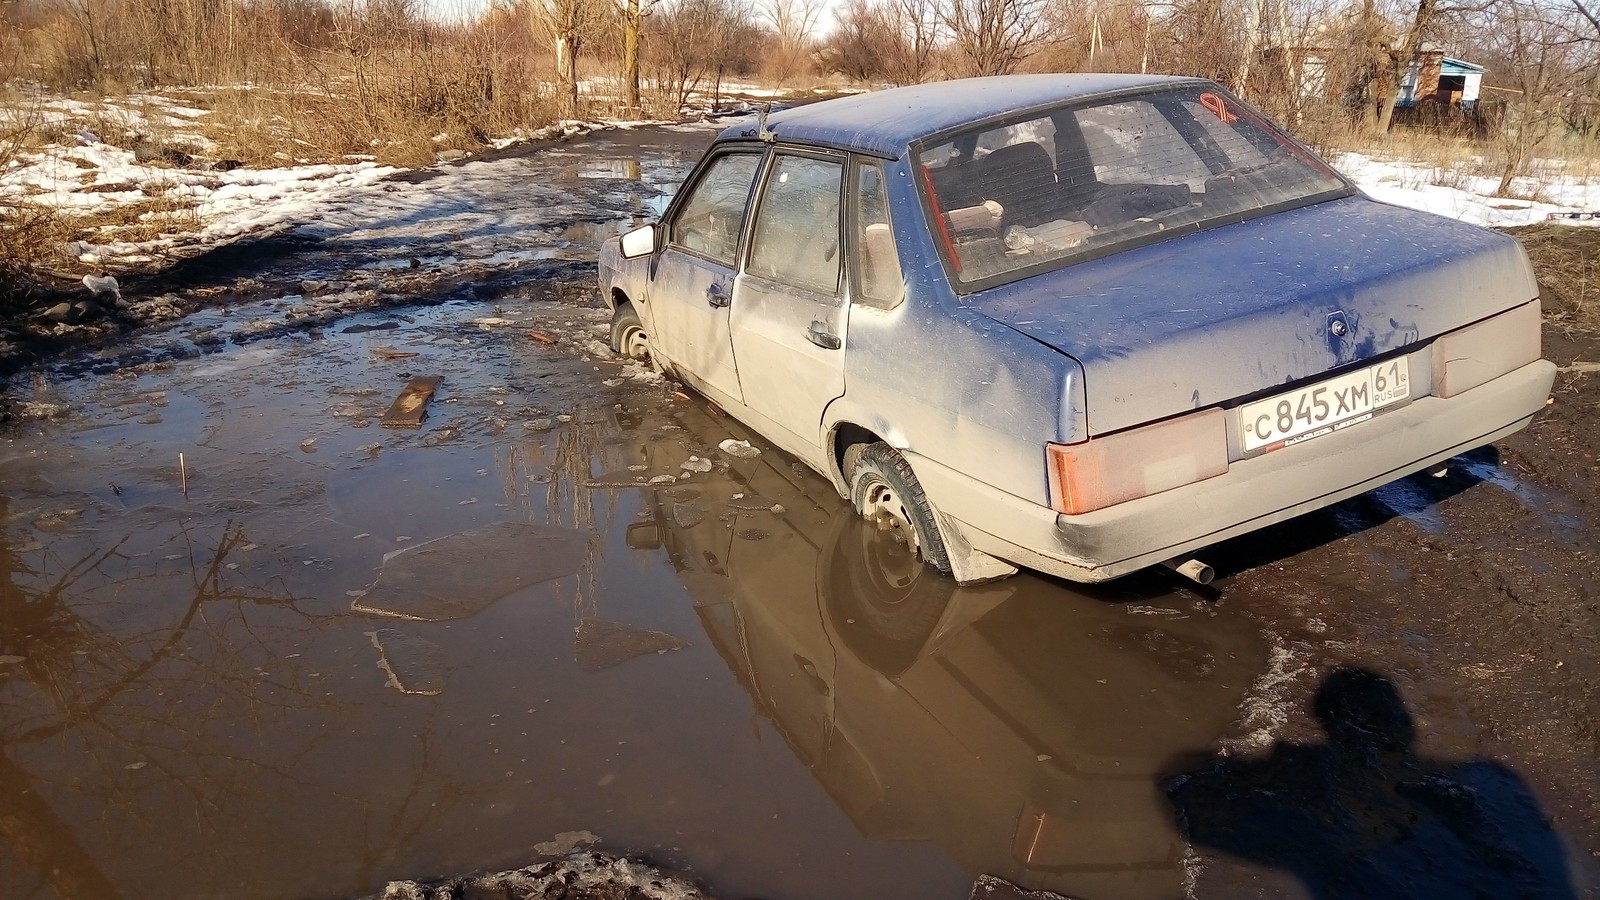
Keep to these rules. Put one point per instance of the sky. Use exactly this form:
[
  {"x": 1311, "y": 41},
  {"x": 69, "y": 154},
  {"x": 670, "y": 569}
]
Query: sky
[{"x": 455, "y": 10}]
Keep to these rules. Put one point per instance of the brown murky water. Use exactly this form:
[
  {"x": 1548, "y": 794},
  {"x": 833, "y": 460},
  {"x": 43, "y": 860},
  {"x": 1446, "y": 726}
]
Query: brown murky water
[
  {"x": 349, "y": 654},
  {"x": 325, "y": 654}
]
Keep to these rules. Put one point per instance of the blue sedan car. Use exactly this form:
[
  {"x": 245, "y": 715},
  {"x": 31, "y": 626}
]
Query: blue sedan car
[{"x": 1082, "y": 324}]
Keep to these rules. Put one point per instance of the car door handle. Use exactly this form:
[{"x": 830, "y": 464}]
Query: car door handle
[
  {"x": 819, "y": 334},
  {"x": 717, "y": 296}
]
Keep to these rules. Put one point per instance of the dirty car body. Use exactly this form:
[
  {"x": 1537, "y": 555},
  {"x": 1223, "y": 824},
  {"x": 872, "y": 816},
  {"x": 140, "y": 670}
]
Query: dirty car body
[{"x": 1077, "y": 323}]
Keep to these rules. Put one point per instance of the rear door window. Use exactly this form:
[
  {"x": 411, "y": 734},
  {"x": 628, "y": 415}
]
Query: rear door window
[{"x": 796, "y": 239}]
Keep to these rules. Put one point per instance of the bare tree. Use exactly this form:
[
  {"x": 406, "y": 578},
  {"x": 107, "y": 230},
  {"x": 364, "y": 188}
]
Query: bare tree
[
  {"x": 696, "y": 39},
  {"x": 1101, "y": 36},
  {"x": 1400, "y": 61},
  {"x": 1205, "y": 40},
  {"x": 1543, "y": 54},
  {"x": 856, "y": 46},
  {"x": 911, "y": 57},
  {"x": 634, "y": 12},
  {"x": 793, "y": 21},
  {"x": 569, "y": 25},
  {"x": 991, "y": 37}
]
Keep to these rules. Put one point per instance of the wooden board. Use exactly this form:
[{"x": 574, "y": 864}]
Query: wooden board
[{"x": 409, "y": 409}]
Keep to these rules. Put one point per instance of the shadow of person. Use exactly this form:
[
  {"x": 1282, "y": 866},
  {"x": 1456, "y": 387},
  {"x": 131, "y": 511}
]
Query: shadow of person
[{"x": 1364, "y": 816}]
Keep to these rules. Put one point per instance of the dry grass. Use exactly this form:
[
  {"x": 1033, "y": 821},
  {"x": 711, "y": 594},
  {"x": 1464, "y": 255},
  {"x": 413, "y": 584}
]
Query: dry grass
[
  {"x": 1454, "y": 158},
  {"x": 1567, "y": 262},
  {"x": 399, "y": 108}
]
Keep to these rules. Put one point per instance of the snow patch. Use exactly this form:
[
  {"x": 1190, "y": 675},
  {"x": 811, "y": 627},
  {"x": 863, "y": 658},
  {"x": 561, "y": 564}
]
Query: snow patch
[{"x": 1458, "y": 194}]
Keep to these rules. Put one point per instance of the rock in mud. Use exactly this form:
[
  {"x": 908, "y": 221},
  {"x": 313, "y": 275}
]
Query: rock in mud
[
  {"x": 461, "y": 575},
  {"x": 602, "y": 645},
  {"x": 413, "y": 665},
  {"x": 584, "y": 875},
  {"x": 63, "y": 313}
]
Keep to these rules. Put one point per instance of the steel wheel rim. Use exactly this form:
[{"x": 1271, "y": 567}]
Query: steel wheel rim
[
  {"x": 635, "y": 343},
  {"x": 883, "y": 507}
]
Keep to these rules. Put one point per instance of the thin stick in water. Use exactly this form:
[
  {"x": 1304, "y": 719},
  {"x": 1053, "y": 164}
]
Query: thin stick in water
[{"x": 183, "y": 474}]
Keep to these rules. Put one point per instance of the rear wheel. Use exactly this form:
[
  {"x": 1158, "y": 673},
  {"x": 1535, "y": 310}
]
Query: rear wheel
[
  {"x": 885, "y": 492},
  {"x": 628, "y": 336}
]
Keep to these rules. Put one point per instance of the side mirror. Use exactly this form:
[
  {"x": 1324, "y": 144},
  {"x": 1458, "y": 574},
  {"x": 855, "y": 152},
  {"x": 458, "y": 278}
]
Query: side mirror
[{"x": 639, "y": 242}]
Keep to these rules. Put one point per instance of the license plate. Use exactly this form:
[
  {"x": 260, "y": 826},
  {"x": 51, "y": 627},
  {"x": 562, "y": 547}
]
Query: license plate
[{"x": 1324, "y": 407}]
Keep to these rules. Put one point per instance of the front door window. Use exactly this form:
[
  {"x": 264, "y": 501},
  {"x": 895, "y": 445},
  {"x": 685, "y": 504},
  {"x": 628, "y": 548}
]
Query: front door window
[{"x": 709, "y": 222}]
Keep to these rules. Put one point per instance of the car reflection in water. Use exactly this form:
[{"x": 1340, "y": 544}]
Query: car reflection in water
[{"x": 1022, "y": 726}]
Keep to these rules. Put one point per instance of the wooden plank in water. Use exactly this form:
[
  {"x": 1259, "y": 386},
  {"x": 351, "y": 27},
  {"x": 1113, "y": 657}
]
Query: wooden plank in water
[{"x": 411, "y": 406}]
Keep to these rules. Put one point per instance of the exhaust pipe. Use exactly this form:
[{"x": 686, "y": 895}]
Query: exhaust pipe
[{"x": 1192, "y": 569}]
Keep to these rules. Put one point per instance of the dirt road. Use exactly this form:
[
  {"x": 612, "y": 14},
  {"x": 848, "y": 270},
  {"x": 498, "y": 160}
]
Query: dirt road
[{"x": 322, "y": 654}]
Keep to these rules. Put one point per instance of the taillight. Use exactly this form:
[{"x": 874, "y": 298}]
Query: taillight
[
  {"x": 1470, "y": 356},
  {"x": 1136, "y": 463}
]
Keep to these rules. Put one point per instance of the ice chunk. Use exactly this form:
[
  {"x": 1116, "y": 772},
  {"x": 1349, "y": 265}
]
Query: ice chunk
[
  {"x": 602, "y": 645},
  {"x": 414, "y": 665},
  {"x": 465, "y": 573},
  {"x": 739, "y": 449}
]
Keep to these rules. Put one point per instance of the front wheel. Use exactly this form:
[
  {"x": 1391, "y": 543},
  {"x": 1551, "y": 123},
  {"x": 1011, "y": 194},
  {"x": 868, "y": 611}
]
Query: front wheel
[
  {"x": 885, "y": 492},
  {"x": 628, "y": 336}
]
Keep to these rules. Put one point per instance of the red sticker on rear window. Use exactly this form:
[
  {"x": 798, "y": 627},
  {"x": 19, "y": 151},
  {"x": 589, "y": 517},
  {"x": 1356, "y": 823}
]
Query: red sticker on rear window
[{"x": 1218, "y": 107}]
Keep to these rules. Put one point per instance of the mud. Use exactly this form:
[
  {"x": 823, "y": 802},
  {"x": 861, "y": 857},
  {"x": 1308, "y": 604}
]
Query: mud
[{"x": 325, "y": 656}]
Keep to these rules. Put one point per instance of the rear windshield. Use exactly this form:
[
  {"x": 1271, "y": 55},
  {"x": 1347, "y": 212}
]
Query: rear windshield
[{"x": 1011, "y": 200}]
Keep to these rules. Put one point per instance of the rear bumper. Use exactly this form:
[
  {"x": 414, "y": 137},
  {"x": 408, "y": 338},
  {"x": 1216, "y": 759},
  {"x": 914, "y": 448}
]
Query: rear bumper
[{"x": 1252, "y": 494}]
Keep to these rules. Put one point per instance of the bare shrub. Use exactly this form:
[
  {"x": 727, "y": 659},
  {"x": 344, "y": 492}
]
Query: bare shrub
[
  {"x": 696, "y": 41},
  {"x": 993, "y": 37},
  {"x": 792, "y": 21}
]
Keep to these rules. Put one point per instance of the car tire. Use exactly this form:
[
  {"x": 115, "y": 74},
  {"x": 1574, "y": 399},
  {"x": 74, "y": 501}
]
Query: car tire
[
  {"x": 885, "y": 492},
  {"x": 628, "y": 337}
]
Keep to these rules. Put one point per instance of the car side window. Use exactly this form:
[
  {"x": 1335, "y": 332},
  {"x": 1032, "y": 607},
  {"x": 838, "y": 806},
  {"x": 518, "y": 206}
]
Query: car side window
[
  {"x": 878, "y": 280},
  {"x": 709, "y": 221},
  {"x": 797, "y": 228}
]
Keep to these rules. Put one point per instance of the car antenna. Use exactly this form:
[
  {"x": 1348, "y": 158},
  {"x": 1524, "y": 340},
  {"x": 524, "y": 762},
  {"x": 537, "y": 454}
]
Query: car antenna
[{"x": 762, "y": 131}]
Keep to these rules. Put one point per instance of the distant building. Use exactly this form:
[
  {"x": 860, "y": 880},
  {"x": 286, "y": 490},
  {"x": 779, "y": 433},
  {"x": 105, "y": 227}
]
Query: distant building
[{"x": 1436, "y": 78}]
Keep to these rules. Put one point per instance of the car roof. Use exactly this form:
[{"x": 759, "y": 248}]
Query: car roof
[{"x": 884, "y": 123}]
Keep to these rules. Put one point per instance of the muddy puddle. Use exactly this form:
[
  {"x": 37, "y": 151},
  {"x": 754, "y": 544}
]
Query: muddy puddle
[
  {"x": 255, "y": 644},
  {"x": 323, "y": 654}
]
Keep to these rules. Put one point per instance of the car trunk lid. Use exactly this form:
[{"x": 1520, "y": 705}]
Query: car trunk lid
[{"x": 1233, "y": 311}]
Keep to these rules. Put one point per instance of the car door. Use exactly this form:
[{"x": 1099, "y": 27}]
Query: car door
[
  {"x": 788, "y": 313},
  {"x": 692, "y": 285}
]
